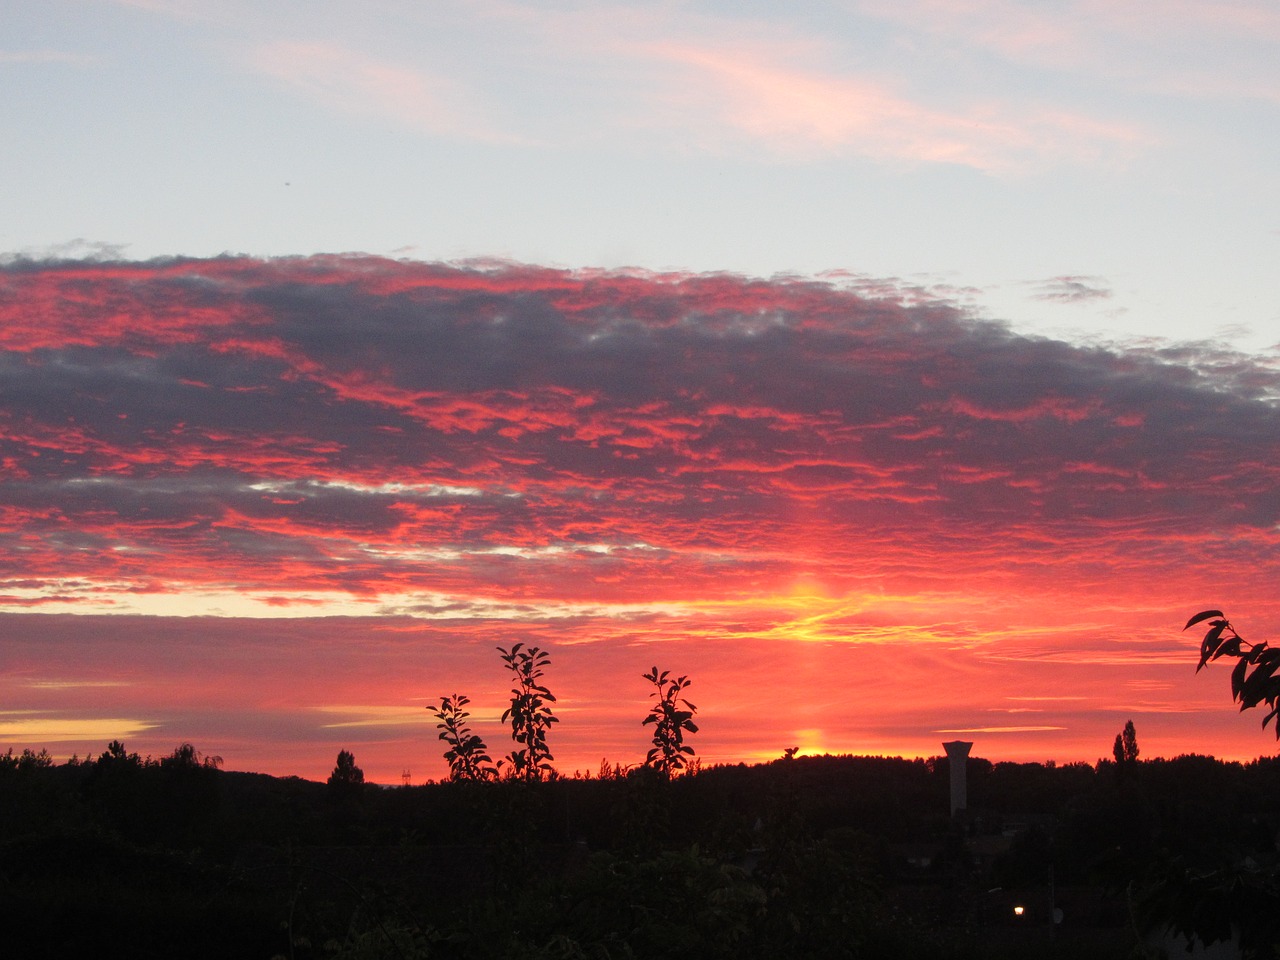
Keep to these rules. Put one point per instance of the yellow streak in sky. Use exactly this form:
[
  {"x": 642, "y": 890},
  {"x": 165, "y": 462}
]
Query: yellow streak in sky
[{"x": 60, "y": 729}]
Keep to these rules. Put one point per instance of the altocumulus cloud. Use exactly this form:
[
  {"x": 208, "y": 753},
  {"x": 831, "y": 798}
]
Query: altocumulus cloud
[
  {"x": 352, "y": 435},
  {"x": 356, "y": 424}
]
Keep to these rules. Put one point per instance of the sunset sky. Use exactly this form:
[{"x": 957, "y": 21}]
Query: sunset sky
[{"x": 902, "y": 372}]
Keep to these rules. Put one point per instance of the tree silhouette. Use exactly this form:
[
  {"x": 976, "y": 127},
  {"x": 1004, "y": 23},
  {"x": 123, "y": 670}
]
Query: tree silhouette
[
  {"x": 1125, "y": 749},
  {"x": 27, "y": 760},
  {"x": 1234, "y": 894},
  {"x": 116, "y": 757},
  {"x": 672, "y": 717},
  {"x": 346, "y": 773},
  {"x": 1253, "y": 680},
  {"x": 187, "y": 757}
]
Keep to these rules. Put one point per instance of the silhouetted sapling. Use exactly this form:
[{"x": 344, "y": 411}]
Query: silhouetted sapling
[
  {"x": 672, "y": 718},
  {"x": 530, "y": 712},
  {"x": 468, "y": 757}
]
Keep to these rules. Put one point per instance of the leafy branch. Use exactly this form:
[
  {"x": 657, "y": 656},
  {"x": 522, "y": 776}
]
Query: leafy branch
[{"x": 1253, "y": 680}]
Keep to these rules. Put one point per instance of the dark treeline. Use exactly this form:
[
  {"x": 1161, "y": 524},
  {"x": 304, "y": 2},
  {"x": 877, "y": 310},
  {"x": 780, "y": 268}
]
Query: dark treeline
[{"x": 804, "y": 857}]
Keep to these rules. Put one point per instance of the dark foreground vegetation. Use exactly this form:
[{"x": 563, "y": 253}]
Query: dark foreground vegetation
[{"x": 803, "y": 857}]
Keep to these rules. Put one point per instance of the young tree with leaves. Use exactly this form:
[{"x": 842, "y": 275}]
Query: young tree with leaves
[
  {"x": 530, "y": 713},
  {"x": 1253, "y": 680},
  {"x": 672, "y": 718},
  {"x": 468, "y": 757}
]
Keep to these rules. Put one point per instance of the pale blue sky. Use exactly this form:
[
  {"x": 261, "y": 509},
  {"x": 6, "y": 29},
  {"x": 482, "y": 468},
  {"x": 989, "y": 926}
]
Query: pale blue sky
[{"x": 1076, "y": 168}]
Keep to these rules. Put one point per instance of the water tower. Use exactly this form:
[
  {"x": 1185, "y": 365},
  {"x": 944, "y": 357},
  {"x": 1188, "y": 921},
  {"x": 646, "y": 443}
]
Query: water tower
[{"x": 958, "y": 753}]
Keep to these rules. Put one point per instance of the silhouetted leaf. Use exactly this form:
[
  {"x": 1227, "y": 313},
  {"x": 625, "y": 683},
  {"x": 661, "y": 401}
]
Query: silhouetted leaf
[
  {"x": 1261, "y": 684},
  {"x": 1231, "y": 648},
  {"x": 1237, "y": 678},
  {"x": 1202, "y": 615},
  {"x": 1211, "y": 641},
  {"x": 1268, "y": 718}
]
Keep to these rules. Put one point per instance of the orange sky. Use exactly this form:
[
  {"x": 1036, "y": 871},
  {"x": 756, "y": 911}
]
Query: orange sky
[{"x": 275, "y": 508}]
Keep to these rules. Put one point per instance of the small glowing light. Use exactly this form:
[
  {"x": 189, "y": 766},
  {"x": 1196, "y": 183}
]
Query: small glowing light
[{"x": 1017, "y": 911}]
